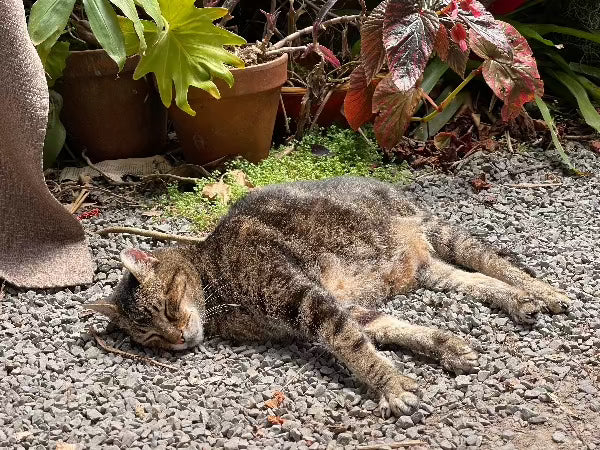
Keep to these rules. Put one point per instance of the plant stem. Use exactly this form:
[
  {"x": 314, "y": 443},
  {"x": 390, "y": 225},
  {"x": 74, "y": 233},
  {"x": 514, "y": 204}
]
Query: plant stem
[
  {"x": 448, "y": 99},
  {"x": 308, "y": 30}
]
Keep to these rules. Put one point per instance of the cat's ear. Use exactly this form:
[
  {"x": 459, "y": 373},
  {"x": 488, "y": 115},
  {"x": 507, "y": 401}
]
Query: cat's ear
[
  {"x": 106, "y": 307},
  {"x": 139, "y": 263}
]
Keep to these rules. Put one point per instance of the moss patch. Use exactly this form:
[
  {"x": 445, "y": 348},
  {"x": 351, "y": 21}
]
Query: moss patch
[{"x": 319, "y": 155}]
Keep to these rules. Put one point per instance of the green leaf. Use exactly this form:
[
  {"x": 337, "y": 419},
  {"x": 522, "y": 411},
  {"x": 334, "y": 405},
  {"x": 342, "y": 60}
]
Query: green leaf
[
  {"x": 127, "y": 7},
  {"x": 55, "y": 131},
  {"x": 48, "y": 17},
  {"x": 433, "y": 72},
  {"x": 589, "y": 113},
  {"x": 56, "y": 62},
  {"x": 585, "y": 69},
  {"x": 132, "y": 43},
  {"x": 44, "y": 48},
  {"x": 527, "y": 31},
  {"x": 592, "y": 88},
  {"x": 152, "y": 8},
  {"x": 431, "y": 128},
  {"x": 189, "y": 52},
  {"x": 105, "y": 26},
  {"x": 553, "y": 132},
  {"x": 545, "y": 28}
]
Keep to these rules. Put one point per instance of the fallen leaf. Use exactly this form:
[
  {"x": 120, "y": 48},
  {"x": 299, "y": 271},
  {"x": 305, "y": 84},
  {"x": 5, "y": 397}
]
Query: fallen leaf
[
  {"x": 276, "y": 401},
  {"x": 65, "y": 446},
  {"x": 239, "y": 177},
  {"x": 217, "y": 191},
  {"x": 480, "y": 183},
  {"x": 595, "y": 146},
  {"x": 275, "y": 420},
  {"x": 140, "y": 412}
]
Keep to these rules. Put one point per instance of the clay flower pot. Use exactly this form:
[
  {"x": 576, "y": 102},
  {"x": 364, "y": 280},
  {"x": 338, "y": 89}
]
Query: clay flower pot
[
  {"x": 107, "y": 112},
  {"x": 332, "y": 111},
  {"x": 241, "y": 122}
]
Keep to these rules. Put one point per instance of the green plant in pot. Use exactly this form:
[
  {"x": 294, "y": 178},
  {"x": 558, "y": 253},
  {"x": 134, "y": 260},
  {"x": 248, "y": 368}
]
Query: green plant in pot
[{"x": 180, "y": 45}]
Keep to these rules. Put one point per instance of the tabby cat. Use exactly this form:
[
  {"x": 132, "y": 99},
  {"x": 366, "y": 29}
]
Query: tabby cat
[{"x": 312, "y": 261}]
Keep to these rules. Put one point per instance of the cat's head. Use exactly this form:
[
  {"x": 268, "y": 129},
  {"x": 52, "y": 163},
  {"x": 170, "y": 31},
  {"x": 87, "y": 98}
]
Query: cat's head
[{"x": 158, "y": 302}]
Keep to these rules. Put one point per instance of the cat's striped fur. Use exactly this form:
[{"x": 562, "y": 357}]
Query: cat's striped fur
[{"x": 312, "y": 261}]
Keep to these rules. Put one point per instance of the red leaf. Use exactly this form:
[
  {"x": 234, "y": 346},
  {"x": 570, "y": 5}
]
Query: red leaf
[
  {"x": 372, "y": 53},
  {"x": 595, "y": 145},
  {"x": 357, "y": 103},
  {"x": 394, "y": 108},
  {"x": 408, "y": 36},
  {"x": 324, "y": 52},
  {"x": 485, "y": 26},
  {"x": 441, "y": 42},
  {"x": 505, "y": 6},
  {"x": 276, "y": 400},
  {"x": 480, "y": 183},
  {"x": 472, "y": 7},
  {"x": 457, "y": 59},
  {"x": 513, "y": 77},
  {"x": 459, "y": 35}
]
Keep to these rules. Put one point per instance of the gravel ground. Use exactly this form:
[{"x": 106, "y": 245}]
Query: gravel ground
[{"x": 537, "y": 386}]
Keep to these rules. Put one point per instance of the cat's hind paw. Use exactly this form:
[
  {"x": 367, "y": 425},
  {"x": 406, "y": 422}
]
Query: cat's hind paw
[
  {"x": 525, "y": 310},
  {"x": 398, "y": 405},
  {"x": 456, "y": 355}
]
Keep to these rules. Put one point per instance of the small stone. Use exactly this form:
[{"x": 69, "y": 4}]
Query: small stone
[
  {"x": 405, "y": 422},
  {"x": 559, "y": 436},
  {"x": 462, "y": 381},
  {"x": 483, "y": 375},
  {"x": 446, "y": 445},
  {"x": 344, "y": 438},
  {"x": 508, "y": 434},
  {"x": 94, "y": 414}
]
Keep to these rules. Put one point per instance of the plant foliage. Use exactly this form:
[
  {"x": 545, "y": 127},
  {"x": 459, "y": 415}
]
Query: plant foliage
[{"x": 405, "y": 34}]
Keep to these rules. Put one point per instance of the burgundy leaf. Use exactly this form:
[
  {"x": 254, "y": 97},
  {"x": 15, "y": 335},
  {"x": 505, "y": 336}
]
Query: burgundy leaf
[
  {"x": 326, "y": 53},
  {"x": 457, "y": 59},
  {"x": 357, "y": 103},
  {"x": 372, "y": 53},
  {"x": 472, "y": 7},
  {"x": 441, "y": 43},
  {"x": 408, "y": 36},
  {"x": 513, "y": 77},
  {"x": 485, "y": 26},
  {"x": 394, "y": 108}
]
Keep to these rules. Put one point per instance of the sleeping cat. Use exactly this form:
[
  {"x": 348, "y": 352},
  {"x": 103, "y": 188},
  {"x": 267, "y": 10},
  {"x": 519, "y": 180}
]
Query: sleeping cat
[{"x": 312, "y": 261}]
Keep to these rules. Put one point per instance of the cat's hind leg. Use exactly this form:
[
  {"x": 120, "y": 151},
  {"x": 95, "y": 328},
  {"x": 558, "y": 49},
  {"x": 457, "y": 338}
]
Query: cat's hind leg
[
  {"x": 457, "y": 246},
  {"x": 453, "y": 352},
  {"x": 518, "y": 303}
]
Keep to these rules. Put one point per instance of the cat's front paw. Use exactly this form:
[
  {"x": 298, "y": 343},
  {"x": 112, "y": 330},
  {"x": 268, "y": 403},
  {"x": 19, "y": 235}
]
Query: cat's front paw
[
  {"x": 554, "y": 301},
  {"x": 400, "y": 398}
]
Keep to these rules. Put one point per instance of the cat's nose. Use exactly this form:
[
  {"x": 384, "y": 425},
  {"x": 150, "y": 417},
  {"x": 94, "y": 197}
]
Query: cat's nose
[{"x": 181, "y": 339}]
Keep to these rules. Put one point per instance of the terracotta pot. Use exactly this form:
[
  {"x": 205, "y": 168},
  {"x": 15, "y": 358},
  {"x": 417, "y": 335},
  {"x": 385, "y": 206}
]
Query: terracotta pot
[
  {"x": 110, "y": 114},
  {"x": 241, "y": 122},
  {"x": 332, "y": 112}
]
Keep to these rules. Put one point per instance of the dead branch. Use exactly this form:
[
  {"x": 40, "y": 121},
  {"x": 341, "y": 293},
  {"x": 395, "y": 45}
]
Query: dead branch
[
  {"x": 309, "y": 30},
  {"x": 133, "y": 356},
  {"x": 386, "y": 445},
  {"x": 531, "y": 185},
  {"x": 150, "y": 233}
]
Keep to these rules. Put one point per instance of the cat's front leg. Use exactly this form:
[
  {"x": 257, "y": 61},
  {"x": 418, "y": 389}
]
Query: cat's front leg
[{"x": 333, "y": 326}]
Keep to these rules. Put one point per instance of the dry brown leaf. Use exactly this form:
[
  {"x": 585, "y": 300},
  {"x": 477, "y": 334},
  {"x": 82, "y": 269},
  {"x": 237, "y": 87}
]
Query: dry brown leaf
[
  {"x": 65, "y": 446},
  {"x": 275, "y": 420},
  {"x": 595, "y": 146},
  {"x": 140, "y": 412},
  {"x": 276, "y": 401},
  {"x": 239, "y": 177},
  {"x": 480, "y": 183},
  {"x": 219, "y": 191}
]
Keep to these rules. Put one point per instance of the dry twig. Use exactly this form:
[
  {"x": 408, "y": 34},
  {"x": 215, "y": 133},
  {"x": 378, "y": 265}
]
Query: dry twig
[
  {"x": 531, "y": 185},
  {"x": 308, "y": 30},
  {"x": 133, "y": 356},
  {"x": 385, "y": 445},
  {"x": 150, "y": 233}
]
